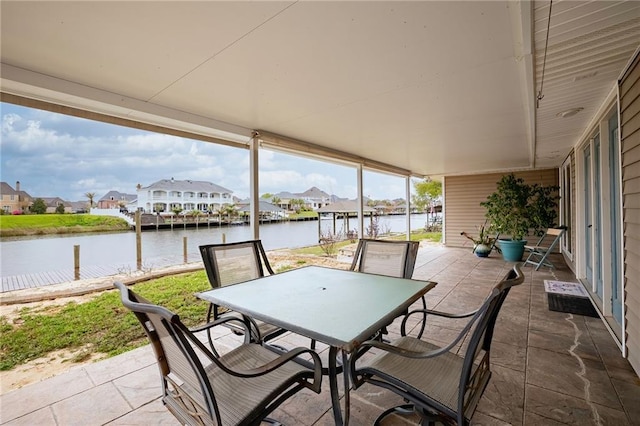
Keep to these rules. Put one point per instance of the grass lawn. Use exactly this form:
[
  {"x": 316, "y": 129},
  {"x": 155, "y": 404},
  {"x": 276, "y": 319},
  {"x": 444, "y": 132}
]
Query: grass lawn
[
  {"x": 101, "y": 325},
  {"x": 33, "y": 224}
]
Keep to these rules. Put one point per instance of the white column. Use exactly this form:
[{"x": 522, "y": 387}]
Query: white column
[
  {"x": 360, "y": 203},
  {"x": 408, "y": 206},
  {"x": 254, "y": 204}
]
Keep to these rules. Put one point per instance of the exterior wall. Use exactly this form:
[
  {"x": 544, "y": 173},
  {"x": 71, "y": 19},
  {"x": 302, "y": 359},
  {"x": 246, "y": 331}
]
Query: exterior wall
[
  {"x": 630, "y": 147},
  {"x": 463, "y": 195}
]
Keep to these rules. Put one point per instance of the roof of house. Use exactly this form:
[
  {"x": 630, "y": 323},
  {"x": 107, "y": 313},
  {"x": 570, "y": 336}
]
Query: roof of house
[
  {"x": 55, "y": 201},
  {"x": 264, "y": 206},
  {"x": 314, "y": 192},
  {"x": 187, "y": 185},
  {"x": 115, "y": 195},
  {"x": 348, "y": 206},
  {"x": 6, "y": 189}
]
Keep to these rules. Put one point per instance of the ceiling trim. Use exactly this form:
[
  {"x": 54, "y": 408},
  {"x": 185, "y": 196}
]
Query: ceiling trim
[
  {"x": 95, "y": 116},
  {"x": 279, "y": 142},
  {"x": 33, "y": 85}
]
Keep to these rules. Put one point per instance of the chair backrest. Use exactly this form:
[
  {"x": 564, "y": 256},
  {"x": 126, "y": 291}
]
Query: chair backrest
[
  {"x": 178, "y": 362},
  {"x": 233, "y": 263},
  {"x": 476, "y": 369},
  {"x": 386, "y": 257},
  {"x": 550, "y": 238}
]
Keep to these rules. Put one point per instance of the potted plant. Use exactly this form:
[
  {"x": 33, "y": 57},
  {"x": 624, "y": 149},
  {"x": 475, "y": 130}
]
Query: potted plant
[
  {"x": 484, "y": 243},
  {"x": 519, "y": 209}
]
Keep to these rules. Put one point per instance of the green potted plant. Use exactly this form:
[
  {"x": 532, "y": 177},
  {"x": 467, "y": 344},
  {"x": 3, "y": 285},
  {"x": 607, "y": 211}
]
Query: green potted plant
[
  {"x": 484, "y": 243},
  {"x": 519, "y": 209}
]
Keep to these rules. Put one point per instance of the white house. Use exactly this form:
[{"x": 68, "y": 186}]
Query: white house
[{"x": 169, "y": 194}]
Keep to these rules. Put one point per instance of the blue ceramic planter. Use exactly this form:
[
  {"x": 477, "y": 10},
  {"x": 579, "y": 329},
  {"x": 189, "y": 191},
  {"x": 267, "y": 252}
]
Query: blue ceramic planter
[{"x": 512, "y": 250}]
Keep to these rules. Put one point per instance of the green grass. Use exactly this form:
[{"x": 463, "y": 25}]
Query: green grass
[
  {"x": 103, "y": 323},
  {"x": 303, "y": 214},
  {"x": 13, "y": 225}
]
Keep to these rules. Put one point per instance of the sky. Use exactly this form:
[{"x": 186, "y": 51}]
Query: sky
[{"x": 55, "y": 155}]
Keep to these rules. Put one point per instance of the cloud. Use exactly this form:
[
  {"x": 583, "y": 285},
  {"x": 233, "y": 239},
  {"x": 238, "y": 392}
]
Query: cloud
[{"x": 58, "y": 155}]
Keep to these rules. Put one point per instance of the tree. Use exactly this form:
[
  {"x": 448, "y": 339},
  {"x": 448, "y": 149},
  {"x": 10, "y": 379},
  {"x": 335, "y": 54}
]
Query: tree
[
  {"x": 297, "y": 204},
  {"x": 39, "y": 206},
  {"x": 60, "y": 208},
  {"x": 90, "y": 196},
  {"x": 427, "y": 193}
]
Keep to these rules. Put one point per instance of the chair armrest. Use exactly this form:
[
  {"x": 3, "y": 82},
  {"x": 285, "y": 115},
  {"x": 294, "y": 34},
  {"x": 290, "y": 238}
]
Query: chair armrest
[
  {"x": 315, "y": 364},
  {"x": 426, "y": 312},
  {"x": 218, "y": 322}
]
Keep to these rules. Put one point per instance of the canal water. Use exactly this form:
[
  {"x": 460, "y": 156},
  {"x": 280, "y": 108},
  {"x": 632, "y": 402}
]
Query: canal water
[{"x": 28, "y": 255}]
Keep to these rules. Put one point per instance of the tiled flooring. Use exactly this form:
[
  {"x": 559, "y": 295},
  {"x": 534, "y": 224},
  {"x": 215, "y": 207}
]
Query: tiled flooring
[{"x": 549, "y": 368}]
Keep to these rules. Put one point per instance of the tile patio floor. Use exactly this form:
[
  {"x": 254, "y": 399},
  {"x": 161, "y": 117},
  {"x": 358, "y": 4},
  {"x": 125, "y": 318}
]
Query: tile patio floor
[{"x": 549, "y": 368}]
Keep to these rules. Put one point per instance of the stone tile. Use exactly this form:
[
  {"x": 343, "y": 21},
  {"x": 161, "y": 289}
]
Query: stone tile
[
  {"x": 629, "y": 394},
  {"x": 510, "y": 332},
  {"x": 140, "y": 387},
  {"x": 535, "y": 419},
  {"x": 509, "y": 356},
  {"x": 560, "y": 373},
  {"x": 503, "y": 399},
  {"x": 38, "y": 395},
  {"x": 625, "y": 373},
  {"x": 153, "y": 413},
  {"x": 95, "y": 406},
  {"x": 305, "y": 407},
  {"x": 120, "y": 365},
  {"x": 569, "y": 410},
  {"x": 41, "y": 417},
  {"x": 480, "y": 419},
  {"x": 562, "y": 344}
]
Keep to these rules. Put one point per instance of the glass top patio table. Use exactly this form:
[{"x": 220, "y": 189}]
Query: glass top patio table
[{"x": 337, "y": 307}]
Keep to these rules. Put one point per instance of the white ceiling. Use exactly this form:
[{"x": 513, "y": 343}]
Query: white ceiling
[{"x": 432, "y": 87}]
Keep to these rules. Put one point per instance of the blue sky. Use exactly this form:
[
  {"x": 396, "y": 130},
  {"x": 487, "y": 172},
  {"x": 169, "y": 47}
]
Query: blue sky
[{"x": 55, "y": 155}]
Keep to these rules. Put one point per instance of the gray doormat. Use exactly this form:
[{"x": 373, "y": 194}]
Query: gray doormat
[{"x": 569, "y": 297}]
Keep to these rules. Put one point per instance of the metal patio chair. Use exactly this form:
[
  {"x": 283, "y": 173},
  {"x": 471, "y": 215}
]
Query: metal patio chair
[
  {"x": 233, "y": 263},
  {"x": 538, "y": 253},
  {"x": 393, "y": 258},
  {"x": 200, "y": 387},
  {"x": 438, "y": 384}
]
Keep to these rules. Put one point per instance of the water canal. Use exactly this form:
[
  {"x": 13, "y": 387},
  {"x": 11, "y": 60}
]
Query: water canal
[{"x": 29, "y": 255}]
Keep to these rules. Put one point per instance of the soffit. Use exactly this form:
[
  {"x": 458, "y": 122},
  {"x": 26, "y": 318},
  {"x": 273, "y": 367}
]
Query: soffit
[{"x": 589, "y": 45}]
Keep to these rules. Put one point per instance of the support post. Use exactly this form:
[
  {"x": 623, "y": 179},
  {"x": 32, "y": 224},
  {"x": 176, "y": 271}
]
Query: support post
[
  {"x": 76, "y": 262},
  {"x": 184, "y": 249},
  {"x": 138, "y": 241}
]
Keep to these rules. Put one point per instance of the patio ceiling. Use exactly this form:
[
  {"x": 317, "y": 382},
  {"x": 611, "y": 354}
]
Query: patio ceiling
[{"x": 435, "y": 88}]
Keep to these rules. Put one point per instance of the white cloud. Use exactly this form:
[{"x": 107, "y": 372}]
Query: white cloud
[{"x": 64, "y": 156}]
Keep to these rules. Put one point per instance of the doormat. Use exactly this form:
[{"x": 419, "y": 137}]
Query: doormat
[{"x": 569, "y": 297}]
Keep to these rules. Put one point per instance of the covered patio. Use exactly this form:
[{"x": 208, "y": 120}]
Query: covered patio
[{"x": 548, "y": 367}]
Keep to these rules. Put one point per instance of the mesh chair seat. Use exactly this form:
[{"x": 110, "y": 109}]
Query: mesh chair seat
[
  {"x": 239, "y": 398},
  {"x": 437, "y": 377}
]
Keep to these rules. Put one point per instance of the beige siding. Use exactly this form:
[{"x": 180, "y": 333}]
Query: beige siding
[
  {"x": 630, "y": 136},
  {"x": 463, "y": 195}
]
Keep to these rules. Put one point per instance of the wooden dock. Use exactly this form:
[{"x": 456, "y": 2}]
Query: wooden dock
[{"x": 41, "y": 279}]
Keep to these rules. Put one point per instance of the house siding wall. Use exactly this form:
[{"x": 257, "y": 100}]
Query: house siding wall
[
  {"x": 463, "y": 195},
  {"x": 630, "y": 147}
]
